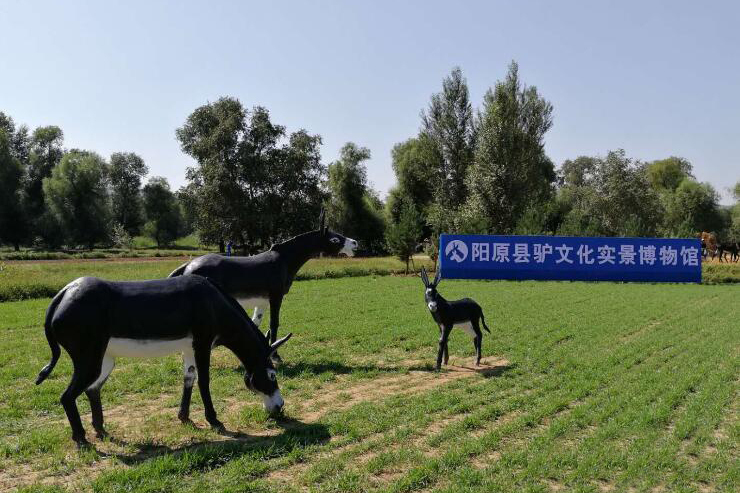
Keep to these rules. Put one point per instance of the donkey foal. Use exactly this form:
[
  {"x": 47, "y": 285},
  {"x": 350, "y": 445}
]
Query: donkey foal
[{"x": 464, "y": 313}]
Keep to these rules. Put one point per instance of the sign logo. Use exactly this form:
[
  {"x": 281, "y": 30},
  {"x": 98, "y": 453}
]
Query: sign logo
[{"x": 456, "y": 250}]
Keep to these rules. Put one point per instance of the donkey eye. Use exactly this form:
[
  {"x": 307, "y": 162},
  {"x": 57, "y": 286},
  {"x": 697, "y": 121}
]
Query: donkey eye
[{"x": 335, "y": 240}]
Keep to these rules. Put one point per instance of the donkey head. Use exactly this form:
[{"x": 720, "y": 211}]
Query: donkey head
[
  {"x": 431, "y": 294},
  {"x": 332, "y": 243},
  {"x": 263, "y": 380}
]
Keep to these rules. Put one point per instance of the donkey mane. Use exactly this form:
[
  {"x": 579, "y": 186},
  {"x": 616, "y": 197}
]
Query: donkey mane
[{"x": 290, "y": 242}]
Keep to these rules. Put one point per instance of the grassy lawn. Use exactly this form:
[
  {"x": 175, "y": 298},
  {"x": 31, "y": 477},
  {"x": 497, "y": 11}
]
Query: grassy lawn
[
  {"x": 586, "y": 387},
  {"x": 26, "y": 280}
]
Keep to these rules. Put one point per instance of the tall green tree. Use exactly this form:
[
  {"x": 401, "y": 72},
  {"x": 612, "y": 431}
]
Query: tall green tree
[
  {"x": 77, "y": 196},
  {"x": 251, "y": 184},
  {"x": 449, "y": 125},
  {"x": 608, "y": 196},
  {"x": 164, "y": 220},
  {"x": 12, "y": 217},
  {"x": 403, "y": 235},
  {"x": 511, "y": 171},
  {"x": 18, "y": 137},
  {"x": 693, "y": 208},
  {"x": 126, "y": 171},
  {"x": 46, "y": 153},
  {"x": 353, "y": 207},
  {"x": 412, "y": 162}
]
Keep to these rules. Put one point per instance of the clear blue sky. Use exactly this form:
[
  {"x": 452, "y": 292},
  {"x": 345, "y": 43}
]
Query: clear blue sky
[{"x": 654, "y": 78}]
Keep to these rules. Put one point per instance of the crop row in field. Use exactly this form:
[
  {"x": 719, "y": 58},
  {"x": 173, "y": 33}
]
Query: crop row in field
[{"x": 588, "y": 387}]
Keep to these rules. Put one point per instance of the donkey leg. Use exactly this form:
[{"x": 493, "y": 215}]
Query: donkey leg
[
  {"x": 93, "y": 395},
  {"x": 445, "y": 333},
  {"x": 259, "y": 312},
  {"x": 190, "y": 374},
  {"x": 202, "y": 364},
  {"x": 477, "y": 341},
  {"x": 275, "y": 303},
  {"x": 82, "y": 378}
]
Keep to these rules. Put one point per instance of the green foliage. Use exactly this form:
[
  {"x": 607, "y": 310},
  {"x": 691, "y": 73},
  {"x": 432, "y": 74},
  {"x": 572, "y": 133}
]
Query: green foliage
[
  {"x": 162, "y": 212},
  {"x": 607, "y": 196},
  {"x": 403, "y": 236},
  {"x": 354, "y": 208},
  {"x": 447, "y": 141},
  {"x": 249, "y": 186},
  {"x": 511, "y": 171},
  {"x": 12, "y": 218},
  {"x": 126, "y": 171},
  {"x": 120, "y": 237},
  {"x": 77, "y": 196},
  {"x": 667, "y": 174},
  {"x": 46, "y": 153},
  {"x": 413, "y": 163},
  {"x": 692, "y": 208}
]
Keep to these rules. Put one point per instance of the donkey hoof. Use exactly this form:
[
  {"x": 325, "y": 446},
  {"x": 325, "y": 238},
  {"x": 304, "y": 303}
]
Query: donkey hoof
[
  {"x": 81, "y": 442},
  {"x": 217, "y": 426},
  {"x": 101, "y": 434}
]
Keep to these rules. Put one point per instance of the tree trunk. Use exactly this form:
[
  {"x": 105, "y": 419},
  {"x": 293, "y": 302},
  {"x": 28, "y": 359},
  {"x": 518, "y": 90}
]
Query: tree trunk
[{"x": 221, "y": 246}]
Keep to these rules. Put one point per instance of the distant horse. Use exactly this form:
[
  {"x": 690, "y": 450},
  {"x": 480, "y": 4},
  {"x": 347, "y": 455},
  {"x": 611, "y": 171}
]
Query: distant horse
[{"x": 731, "y": 247}]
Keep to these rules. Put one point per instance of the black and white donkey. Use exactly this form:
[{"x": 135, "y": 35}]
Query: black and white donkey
[
  {"x": 266, "y": 277},
  {"x": 464, "y": 313},
  {"x": 96, "y": 321}
]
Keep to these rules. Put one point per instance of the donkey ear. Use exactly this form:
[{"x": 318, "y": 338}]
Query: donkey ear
[
  {"x": 438, "y": 276},
  {"x": 275, "y": 345},
  {"x": 424, "y": 277}
]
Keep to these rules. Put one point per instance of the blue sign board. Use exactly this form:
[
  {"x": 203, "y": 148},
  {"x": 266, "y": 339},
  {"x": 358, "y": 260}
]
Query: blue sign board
[{"x": 570, "y": 258}]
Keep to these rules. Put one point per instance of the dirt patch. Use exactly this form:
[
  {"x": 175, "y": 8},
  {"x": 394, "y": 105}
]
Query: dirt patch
[
  {"x": 341, "y": 396},
  {"x": 139, "y": 433}
]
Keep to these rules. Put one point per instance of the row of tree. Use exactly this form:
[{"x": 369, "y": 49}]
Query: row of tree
[
  {"x": 486, "y": 172},
  {"x": 473, "y": 171},
  {"x": 52, "y": 197}
]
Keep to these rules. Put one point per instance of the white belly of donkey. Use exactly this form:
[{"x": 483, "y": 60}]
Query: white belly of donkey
[
  {"x": 467, "y": 327},
  {"x": 147, "y": 348}
]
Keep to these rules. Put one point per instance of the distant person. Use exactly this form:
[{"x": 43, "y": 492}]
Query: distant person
[{"x": 228, "y": 248}]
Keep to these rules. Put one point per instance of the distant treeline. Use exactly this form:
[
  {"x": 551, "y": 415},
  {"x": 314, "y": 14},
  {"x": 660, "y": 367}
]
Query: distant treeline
[{"x": 473, "y": 171}]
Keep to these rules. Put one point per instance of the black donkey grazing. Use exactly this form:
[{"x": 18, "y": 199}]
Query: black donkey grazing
[
  {"x": 96, "y": 321},
  {"x": 266, "y": 277},
  {"x": 464, "y": 313}
]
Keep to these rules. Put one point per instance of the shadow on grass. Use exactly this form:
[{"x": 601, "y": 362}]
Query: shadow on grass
[
  {"x": 291, "y": 370},
  {"x": 484, "y": 370},
  {"x": 211, "y": 454}
]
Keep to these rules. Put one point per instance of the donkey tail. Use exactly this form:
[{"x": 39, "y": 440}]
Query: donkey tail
[
  {"x": 180, "y": 270},
  {"x": 53, "y": 344},
  {"x": 483, "y": 321}
]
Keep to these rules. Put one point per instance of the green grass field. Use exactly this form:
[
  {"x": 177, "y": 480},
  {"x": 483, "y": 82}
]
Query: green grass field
[
  {"x": 27, "y": 280},
  {"x": 586, "y": 387}
]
